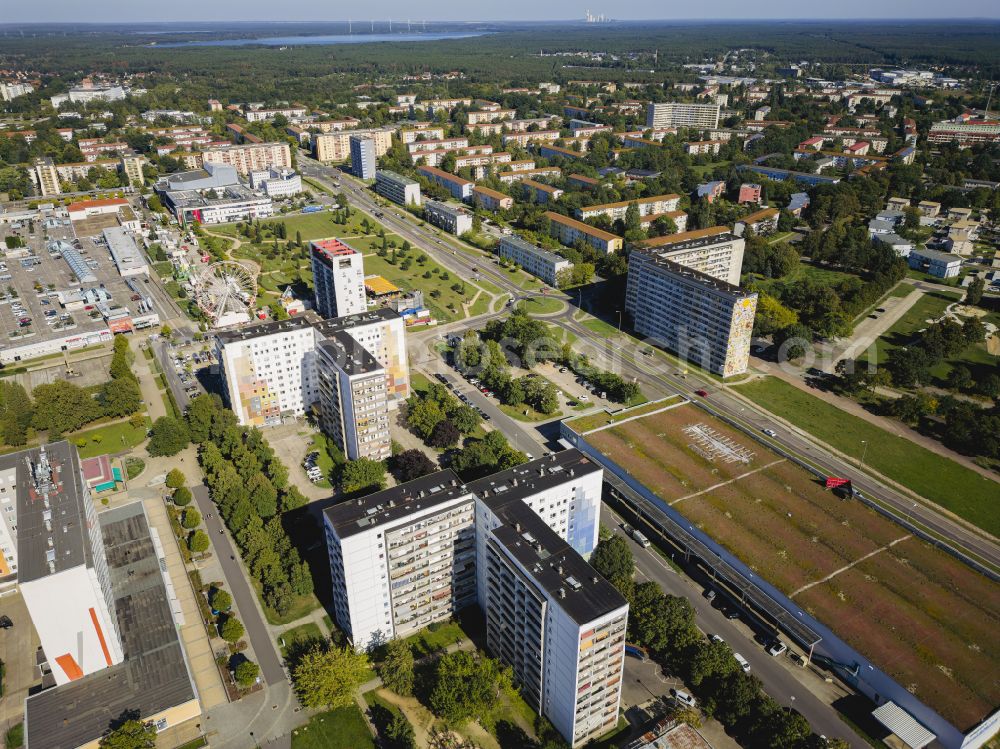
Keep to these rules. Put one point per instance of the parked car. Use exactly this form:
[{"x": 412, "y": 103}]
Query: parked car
[
  {"x": 683, "y": 698},
  {"x": 776, "y": 647},
  {"x": 743, "y": 662}
]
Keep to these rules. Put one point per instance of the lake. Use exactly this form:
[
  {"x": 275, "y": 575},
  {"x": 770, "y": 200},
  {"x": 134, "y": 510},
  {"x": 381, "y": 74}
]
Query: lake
[{"x": 287, "y": 41}]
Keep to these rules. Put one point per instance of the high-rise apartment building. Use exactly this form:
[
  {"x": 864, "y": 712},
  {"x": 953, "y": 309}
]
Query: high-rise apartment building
[
  {"x": 397, "y": 188},
  {"x": 336, "y": 146},
  {"x": 305, "y": 363},
  {"x": 557, "y": 623},
  {"x": 250, "y": 157},
  {"x": 338, "y": 278},
  {"x": 514, "y": 541},
  {"x": 676, "y": 114},
  {"x": 131, "y": 166},
  {"x": 363, "y": 159},
  {"x": 696, "y": 315},
  {"x": 714, "y": 251},
  {"x": 47, "y": 177}
]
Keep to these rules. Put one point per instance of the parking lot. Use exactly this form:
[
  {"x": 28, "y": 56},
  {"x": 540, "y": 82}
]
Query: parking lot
[{"x": 42, "y": 297}]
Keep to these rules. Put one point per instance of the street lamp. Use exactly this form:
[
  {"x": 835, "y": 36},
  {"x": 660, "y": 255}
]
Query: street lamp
[{"x": 864, "y": 452}]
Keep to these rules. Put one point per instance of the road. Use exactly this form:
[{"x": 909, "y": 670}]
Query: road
[
  {"x": 656, "y": 375},
  {"x": 775, "y": 673},
  {"x": 244, "y": 596}
]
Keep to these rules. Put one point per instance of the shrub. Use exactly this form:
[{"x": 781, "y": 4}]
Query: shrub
[
  {"x": 182, "y": 496},
  {"x": 231, "y": 629},
  {"x": 198, "y": 542},
  {"x": 191, "y": 519},
  {"x": 175, "y": 479},
  {"x": 246, "y": 673},
  {"x": 220, "y": 600}
]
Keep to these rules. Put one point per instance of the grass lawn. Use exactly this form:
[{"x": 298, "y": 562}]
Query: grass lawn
[
  {"x": 938, "y": 479},
  {"x": 301, "y": 605},
  {"x": 600, "y": 327},
  {"x": 930, "y": 306},
  {"x": 344, "y": 728},
  {"x": 603, "y": 418},
  {"x": 702, "y": 169},
  {"x": 297, "y": 635},
  {"x": 524, "y": 412},
  {"x": 324, "y": 461},
  {"x": 419, "y": 383},
  {"x": 801, "y": 272},
  {"x": 312, "y": 225},
  {"x": 446, "y": 305},
  {"x": 542, "y": 305},
  {"x": 426, "y": 641},
  {"x": 111, "y": 438},
  {"x": 921, "y": 276}
]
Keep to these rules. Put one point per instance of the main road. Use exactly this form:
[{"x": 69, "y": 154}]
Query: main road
[{"x": 656, "y": 374}]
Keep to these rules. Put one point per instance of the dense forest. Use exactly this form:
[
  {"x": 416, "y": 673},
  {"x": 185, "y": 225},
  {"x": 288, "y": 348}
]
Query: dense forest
[{"x": 310, "y": 71}]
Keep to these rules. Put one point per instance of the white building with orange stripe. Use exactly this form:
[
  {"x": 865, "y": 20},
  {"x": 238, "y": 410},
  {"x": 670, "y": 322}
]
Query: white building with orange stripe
[{"x": 62, "y": 571}]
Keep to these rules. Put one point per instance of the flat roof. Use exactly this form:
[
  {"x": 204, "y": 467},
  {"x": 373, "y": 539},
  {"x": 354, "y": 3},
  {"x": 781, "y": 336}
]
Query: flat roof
[
  {"x": 361, "y": 515},
  {"x": 554, "y": 566},
  {"x": 533, "y": 249},
  {"x": 695, "y": 276},
  {"x": 124, "y": 251},
  {"x": 713, "y": 234},
  {"x": 349, "y": 354},
  {"x": 154, "y": 675},
  {"x": 395, "y": 177},
  {"x": 305, "y": 320},
  {"x": 56, "y": 481},
  {"x": 378, "y": 286},
  {"x": 500, "y": 489},
  {"x": 332, "y": 248}
]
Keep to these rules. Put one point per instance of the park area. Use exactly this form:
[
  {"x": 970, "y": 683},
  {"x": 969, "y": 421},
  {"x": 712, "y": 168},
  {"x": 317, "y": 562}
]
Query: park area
[{"x": 925, "y": 618}]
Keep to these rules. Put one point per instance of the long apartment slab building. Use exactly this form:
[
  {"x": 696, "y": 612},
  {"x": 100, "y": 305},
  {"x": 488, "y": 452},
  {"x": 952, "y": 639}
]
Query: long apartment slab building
[
  {"x": 349, "y": 371},
  {"x": 250, "y": 157},
  {"x": 654, "y": 204},
  {"x": 397, "y": 188},
  {"x": 683, "y": 293},
  {"x": 539, "y": 262},
  {"x": 514, "y": 542},
  {"x": 568, "y": 231},
  {"x": 678, "y": 114}
]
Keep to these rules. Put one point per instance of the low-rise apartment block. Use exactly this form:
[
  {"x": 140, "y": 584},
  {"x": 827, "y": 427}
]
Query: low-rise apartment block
[
  {"x": 491, "y": 200},
  {"x": 441, "y": 144},
  {"x": 568, "y": 231},
  {"x": 454, "y": 220},
  {"x": 397, "y": 188},
  {"x": 539, "y": 262},
  {"x": 524, "y": 138},
  {"x": 616, "y": 211},
  {"x": 521, "y": 170},
  {"x": 410, "y": 134},
  {"x": 266, "y": 115},
  {"x": 540, "y": 192},
  {"x": 764, "y": 221},
  {"x": 700, "y": 147},
  {"x": 460, "y": 189}
]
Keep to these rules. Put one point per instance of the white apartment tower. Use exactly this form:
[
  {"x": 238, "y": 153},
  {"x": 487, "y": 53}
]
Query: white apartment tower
[
  {"x": 514, "y": 541},
  {"x": 676, "y": 114},
  {"x": 338, "y": 278},
  {"x": 351, "y": 371}
]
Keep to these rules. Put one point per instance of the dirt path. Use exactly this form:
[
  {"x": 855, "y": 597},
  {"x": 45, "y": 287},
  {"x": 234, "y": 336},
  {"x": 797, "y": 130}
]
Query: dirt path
[{"x": 419, "y": 716}]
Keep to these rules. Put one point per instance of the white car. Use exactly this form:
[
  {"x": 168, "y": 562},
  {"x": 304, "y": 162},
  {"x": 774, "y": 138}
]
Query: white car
[
  {"x": 743, "y": 662},
  {"x": 684, "y": 698},
  {"x": 770, "y": 433}
]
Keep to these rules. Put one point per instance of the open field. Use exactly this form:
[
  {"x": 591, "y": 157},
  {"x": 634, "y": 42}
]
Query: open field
[
  {"x": 936, "y": 478},
  {"x": 930, "y": 306},
  {"x": 343, "y": 728},
  {"x": 603, "y": 418},
  {"x": 925, "y": 618}
]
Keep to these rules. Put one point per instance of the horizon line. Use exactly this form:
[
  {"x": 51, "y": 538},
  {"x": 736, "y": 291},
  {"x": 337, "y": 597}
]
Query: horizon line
[{"x": 575, "y": 19}]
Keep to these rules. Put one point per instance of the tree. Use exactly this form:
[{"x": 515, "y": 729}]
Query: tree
[
  {"x": 412, "y": 464},
  {"x": 120, "y": 397},
  {"x": 422, "y": 415},
  {"x": 220, "y": 600},
  {"x": 198, "y": 542},
  {"x": 613, "y": 559},
  {"x": 61, "y": 406},
  {"x": 399, "y": 733},
  {"x": 974, "y": 293},
  {"x": 363, "y": 475},
  {"x": 328, "y": 677},
  {"x": 960, "y": 377},
  {"x": 772, "y": 315},
  {"x": 445, "y": 434},
  {"x": 793, "y": 341},
  {"x": 169, "y": 436},
  {"x": 16, "y": 413},
  {"x": 246, "y": 673},
  {"x": 231, "y": 629},
  {"x": 397, "y": 667},
  {"x": 132, "y": 734},
  {"x": 175, "y": 479},
  {"x": 191, "y": 519},
  {"x": 711, "y": 659},
  {"x": 467, "y": 685},
  {"x": 465, "y": 418},
  {"x": 182, "y": 496}
]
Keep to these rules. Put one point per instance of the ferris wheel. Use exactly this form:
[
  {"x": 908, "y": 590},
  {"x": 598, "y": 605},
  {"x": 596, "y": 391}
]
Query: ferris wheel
[{"x": 226, "y": 291}]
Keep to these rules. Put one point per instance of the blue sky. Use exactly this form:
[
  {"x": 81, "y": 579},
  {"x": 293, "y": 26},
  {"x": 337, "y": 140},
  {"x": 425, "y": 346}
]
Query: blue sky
[{"x": 16, "y": 11}]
